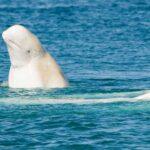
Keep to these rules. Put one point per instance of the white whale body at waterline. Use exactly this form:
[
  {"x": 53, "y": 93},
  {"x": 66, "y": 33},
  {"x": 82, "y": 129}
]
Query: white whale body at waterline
[{"x": 31, "y": 66}]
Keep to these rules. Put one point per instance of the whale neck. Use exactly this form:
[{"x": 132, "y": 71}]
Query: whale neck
[{"x": 36, "y": 57}]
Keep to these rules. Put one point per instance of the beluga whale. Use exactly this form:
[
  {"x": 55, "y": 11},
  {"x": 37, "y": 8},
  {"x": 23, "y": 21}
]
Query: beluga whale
[{"x": 31, "y": 65}]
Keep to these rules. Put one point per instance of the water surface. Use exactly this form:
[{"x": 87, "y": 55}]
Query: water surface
[{"x": 103, "y": 50}]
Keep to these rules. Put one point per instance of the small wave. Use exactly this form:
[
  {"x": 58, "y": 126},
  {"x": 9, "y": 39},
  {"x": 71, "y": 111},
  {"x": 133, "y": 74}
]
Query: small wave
[
  {"x": 45, "y": 7},
  {"x": 4, "y": 84}
]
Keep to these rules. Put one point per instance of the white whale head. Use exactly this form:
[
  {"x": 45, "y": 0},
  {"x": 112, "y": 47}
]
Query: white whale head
[{"x": 22, "y": 45}]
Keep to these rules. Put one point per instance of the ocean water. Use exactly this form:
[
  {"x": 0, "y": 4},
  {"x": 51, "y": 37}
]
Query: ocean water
[{"x": 103, "y": 48}]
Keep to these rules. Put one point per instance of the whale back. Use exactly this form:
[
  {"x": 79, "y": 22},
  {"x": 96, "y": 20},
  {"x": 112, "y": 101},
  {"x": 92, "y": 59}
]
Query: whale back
[{"x": 50, "y": 72}]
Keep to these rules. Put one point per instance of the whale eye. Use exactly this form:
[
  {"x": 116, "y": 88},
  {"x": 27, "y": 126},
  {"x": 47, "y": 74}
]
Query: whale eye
[{"x": 28, "y": 51}]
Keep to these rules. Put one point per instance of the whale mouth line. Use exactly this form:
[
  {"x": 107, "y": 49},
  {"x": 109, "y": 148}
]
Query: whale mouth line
[
  {"x": 13, "y": 47},
  {"x": 8, "y": 41}
]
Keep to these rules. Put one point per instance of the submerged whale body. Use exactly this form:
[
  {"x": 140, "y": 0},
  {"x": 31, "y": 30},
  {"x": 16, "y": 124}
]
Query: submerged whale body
[
  {"x": 144, "y": 96},
  {"x": 31, "y": 65}
]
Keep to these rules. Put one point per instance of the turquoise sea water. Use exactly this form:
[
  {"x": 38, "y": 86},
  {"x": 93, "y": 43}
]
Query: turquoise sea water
[{"x": 103, "y": 48}]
